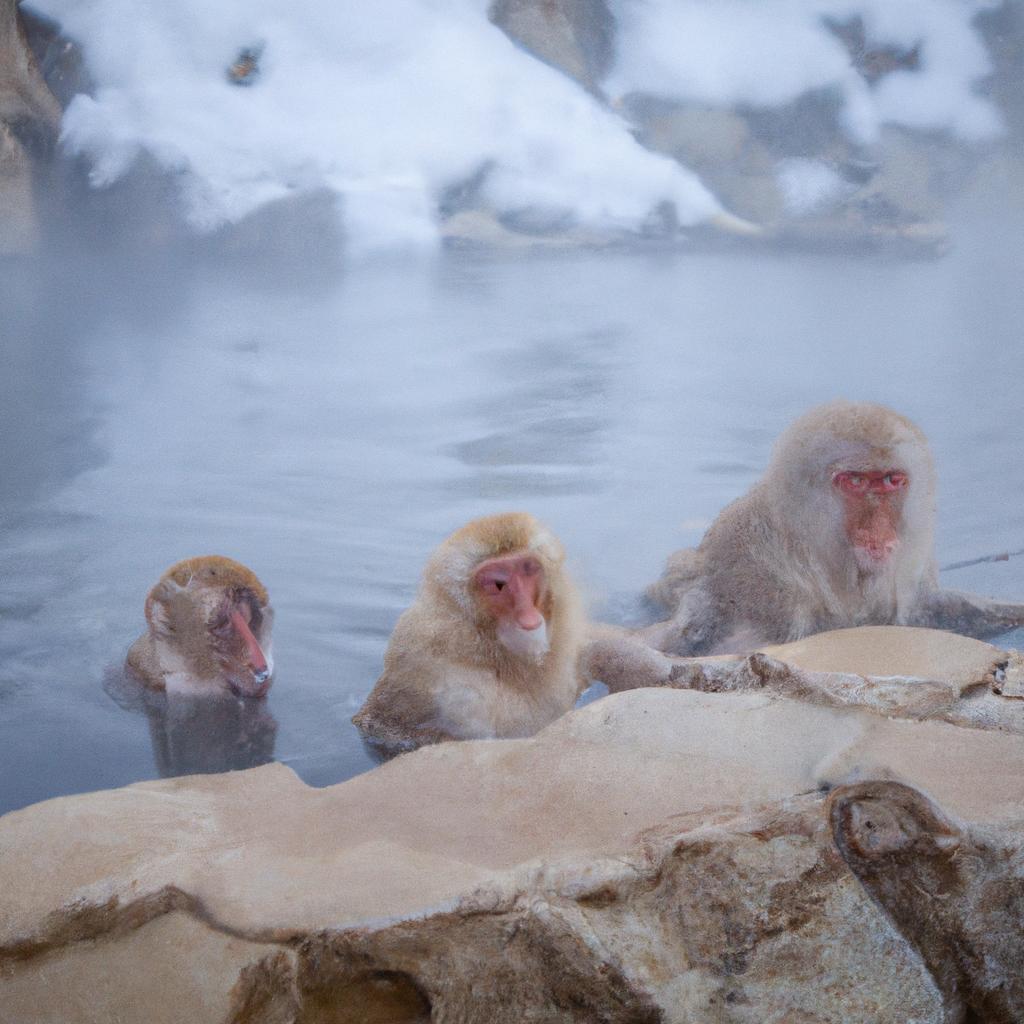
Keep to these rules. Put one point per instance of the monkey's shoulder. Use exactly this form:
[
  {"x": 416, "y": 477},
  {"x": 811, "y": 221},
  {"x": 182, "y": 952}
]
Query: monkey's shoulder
[
  {"x": 682, "y": 570},
  {"x": 143, "y": 664}
]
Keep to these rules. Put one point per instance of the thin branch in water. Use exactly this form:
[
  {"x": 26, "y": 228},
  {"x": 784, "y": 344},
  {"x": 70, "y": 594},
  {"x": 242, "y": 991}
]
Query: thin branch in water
[{"x": 1004, "y": 556}]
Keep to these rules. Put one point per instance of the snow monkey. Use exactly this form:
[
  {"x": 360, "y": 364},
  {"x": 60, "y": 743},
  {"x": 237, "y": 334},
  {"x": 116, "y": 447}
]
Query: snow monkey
[
  {"x": 489, "y": 648},
  {"x": 209, "y": 630},
  {"x": 838, "y": 532}
]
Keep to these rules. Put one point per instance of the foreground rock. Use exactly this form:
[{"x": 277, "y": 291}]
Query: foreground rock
[
  {"x": 958, "y": 898},
  {"x": 659, "y": 855}
]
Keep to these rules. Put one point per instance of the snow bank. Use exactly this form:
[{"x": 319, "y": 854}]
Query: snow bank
[
  {"x": 765, "y": 54},
  {"x": 390, "y": 104}
]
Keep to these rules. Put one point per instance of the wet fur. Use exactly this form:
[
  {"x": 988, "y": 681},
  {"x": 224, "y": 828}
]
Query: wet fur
[
  {"x": 776, "y": 564},
  {"x": 446, "y": 676},
  {"x": 176, "y": 651}
]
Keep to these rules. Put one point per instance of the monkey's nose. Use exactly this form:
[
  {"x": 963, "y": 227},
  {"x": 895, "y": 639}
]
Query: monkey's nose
[{"x": 260, "y": 677}]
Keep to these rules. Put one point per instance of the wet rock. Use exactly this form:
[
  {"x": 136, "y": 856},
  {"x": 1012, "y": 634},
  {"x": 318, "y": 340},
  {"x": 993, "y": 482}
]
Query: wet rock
[
  {"x": 60, "y": 60},
  {"x": 956, "y": 895},
  {"x": 658, "y": 855},
  {"x": 897, "y": 671},
  {"x": 575, "y": 36}
]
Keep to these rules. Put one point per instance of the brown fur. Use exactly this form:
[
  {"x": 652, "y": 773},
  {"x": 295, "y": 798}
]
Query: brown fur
[
  {"x": 446, "y": 676},
  {"x": 216, "y": 570},
  {"x": 180, "y": 609},
  {"x": 776, "y": 564}
]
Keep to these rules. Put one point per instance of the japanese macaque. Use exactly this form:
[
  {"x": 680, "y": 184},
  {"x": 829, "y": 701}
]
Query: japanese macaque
[
  {"x": 209, "y": 631},
  {"x": 490, "y": 646},
  {"x": 838, "y": 532}
]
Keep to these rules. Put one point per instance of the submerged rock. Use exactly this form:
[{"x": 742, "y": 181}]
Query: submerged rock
[{"x": 659, "y": 855}]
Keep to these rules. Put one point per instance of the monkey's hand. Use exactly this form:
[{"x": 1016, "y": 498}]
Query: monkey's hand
[
  {"x": 968, "y": 614},
  {"x": 622, "y": 661}
]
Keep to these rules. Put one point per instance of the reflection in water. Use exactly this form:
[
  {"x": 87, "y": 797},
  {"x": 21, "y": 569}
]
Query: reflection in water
[{"x": 195, "y": 735}]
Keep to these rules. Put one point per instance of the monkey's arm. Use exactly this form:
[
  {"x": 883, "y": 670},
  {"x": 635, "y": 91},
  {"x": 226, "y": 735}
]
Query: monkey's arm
[
  {"x": 622, "y": 660},
  {"x": 398, "y": 717},
  {"x": 969, "y": 614}
]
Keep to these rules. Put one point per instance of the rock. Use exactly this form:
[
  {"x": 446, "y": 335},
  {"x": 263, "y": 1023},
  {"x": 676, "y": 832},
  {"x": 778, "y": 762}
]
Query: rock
[
  {"x": 659, "y": 855},
  {"x": 958, "y": 898},
  {"x": 29, "y": 123},
  {"x": 698, "y": 136},
  {"x": 897, "y": 671},
  {"x": 19, "y": 232},
  {"x": 575, "y": 36},
  {"x": 873, "y": 61},
  {"x": 60, "y": 60}
]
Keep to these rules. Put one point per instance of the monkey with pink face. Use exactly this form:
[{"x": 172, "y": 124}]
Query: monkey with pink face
[
  {"x": 490, "y": 647},
  {"x": 838, "y": 532},
  {"x": 208, "y": 630}
]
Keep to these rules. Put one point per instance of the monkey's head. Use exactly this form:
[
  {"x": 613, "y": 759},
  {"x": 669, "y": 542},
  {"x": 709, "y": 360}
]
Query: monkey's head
[
  {"x": 503, "y": 572},
  {"x": 210, "y": 620},
  {"x": 861, "y": 480}
]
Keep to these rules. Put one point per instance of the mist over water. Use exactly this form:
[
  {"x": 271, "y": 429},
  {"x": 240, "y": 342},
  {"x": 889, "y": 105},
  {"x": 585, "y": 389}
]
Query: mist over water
[
  {"x": 251, "y": 342},
  {"x": 330, "y": 432}
]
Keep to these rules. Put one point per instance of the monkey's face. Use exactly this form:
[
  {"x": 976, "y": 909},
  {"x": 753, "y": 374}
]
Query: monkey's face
[
  {"x": 512, "y": 593},
  {"x": 872, "y": 502},
  {"x": 236, "y": 624},
  {"x": 214, "y": 632}
]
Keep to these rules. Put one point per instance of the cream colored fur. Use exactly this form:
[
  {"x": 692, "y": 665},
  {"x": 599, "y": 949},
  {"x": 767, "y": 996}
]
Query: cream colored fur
[
  {"x": 447, "y": 675},
  {"x": 776, "y": 564}
]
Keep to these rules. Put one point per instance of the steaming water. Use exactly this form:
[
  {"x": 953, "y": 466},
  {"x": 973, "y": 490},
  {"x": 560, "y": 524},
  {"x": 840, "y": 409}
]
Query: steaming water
[{"x": 330, "y": 435}]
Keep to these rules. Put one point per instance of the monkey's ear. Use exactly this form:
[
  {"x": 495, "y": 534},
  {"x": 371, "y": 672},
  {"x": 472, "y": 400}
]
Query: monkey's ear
[{"x": 157, "y": 605}]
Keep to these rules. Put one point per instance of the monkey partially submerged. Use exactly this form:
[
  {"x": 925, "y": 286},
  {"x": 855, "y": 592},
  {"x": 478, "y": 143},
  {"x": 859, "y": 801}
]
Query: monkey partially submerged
[
  {"x": 838, "y": 532},
  {"x": 490, "y": 646},
  {"x": 209, "y": 624}
]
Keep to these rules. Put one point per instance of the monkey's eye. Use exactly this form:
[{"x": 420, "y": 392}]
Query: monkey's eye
[
  {"x": 894, "y": 481},
  {"x": 851, "y": 483},
  {"x": 530, "y": 567},
  {"x": 221, "y": 626}
]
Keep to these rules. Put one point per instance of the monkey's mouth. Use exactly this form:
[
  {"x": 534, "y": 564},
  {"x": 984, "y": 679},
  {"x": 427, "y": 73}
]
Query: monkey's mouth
[
  {"x": 256, "y": 686},
  {"x": 244, "y": 681},
  {"x": 873, "y": 558}
]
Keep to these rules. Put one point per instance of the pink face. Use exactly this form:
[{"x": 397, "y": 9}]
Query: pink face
[
  {"x": 872, "y": 502},
  {"x": 512, "y": 589},
  {"x": 243, "y": 664}
]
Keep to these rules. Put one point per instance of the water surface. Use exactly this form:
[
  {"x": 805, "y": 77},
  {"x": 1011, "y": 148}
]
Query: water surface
[{"x": 329, "y": 433}]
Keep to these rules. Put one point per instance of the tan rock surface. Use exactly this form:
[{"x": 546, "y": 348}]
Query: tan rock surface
[
  {"x": 886, "y": 651},
  {"x": 648, "y": 857},
  {"x": 897, "y": 671}
]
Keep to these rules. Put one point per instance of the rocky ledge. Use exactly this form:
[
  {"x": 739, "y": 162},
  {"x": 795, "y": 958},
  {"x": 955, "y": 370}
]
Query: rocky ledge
[{"x": 659, "y": 855}]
